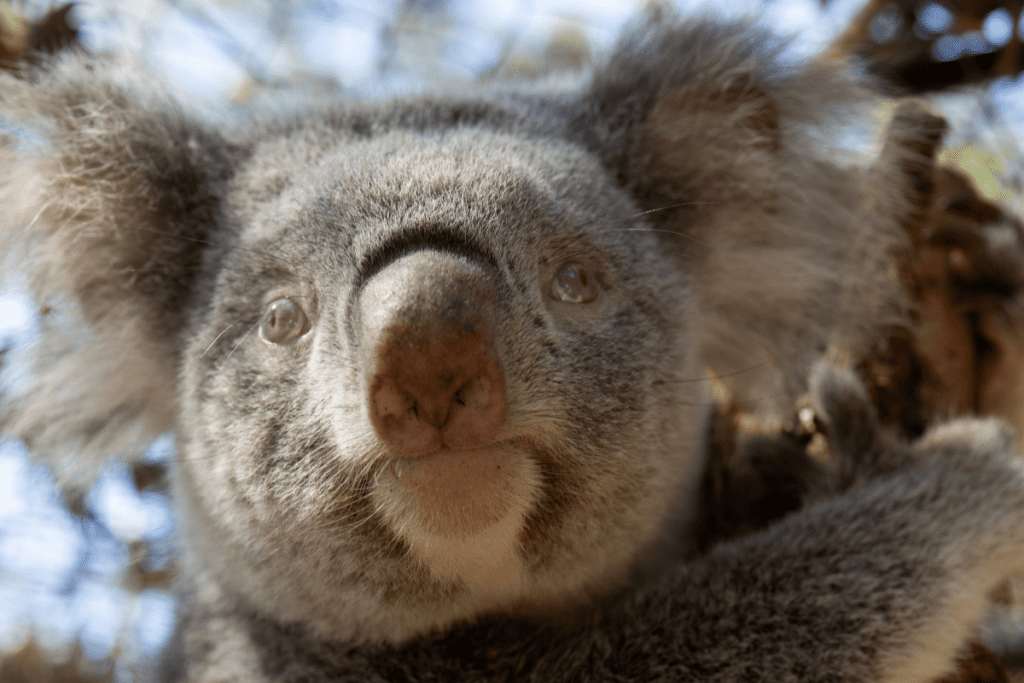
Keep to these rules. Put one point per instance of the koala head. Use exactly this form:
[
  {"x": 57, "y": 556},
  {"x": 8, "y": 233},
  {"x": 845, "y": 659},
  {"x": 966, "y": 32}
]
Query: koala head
[
  {"x": 433, "y": 357},
  {"x": 471, "y": 394}
]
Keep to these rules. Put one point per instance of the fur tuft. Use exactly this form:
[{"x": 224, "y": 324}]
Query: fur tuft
[{"x": 107, "y": 185}]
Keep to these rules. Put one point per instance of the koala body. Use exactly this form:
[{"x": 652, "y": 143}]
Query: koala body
[{"x": 436, "y": 367}]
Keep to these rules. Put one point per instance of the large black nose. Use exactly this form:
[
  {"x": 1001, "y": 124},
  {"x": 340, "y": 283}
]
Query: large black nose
[{"x": 433, "y": 380}]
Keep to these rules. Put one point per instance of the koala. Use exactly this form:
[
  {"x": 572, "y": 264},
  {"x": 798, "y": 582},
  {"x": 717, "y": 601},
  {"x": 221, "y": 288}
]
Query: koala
[{"x": 436, "y": 366}]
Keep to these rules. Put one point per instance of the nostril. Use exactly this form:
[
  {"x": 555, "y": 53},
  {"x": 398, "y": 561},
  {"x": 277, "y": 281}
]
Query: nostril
[
  {"x": 445, "y": 390},
  {"x": 475, "y": 393},
  {"x": 390, "y": 402},
  {"x": 396, "y": 416},
  {"x": 478, "y": 410}
]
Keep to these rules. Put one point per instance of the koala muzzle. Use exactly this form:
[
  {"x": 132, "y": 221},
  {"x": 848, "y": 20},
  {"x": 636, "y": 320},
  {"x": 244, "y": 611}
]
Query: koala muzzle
[{"x": 433, "y": 380}]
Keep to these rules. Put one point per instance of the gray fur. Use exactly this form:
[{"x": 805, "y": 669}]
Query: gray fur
[{"x": 693, "y": 175}]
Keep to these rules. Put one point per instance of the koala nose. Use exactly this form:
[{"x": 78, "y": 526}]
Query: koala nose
[{"x": 433, "y": 379}]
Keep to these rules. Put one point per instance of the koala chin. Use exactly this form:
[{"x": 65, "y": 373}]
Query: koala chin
[{"x": 436, "y": 366}]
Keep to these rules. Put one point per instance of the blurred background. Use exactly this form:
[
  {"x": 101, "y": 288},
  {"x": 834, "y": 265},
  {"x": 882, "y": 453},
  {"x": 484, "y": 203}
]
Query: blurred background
[{"x": 85, "y": 574}]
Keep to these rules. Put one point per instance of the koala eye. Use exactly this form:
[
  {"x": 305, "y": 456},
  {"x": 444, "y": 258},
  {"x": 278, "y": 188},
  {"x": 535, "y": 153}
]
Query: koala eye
[
  {"x": 283, "y": 322},
  {"x": 573, "y": 284}
]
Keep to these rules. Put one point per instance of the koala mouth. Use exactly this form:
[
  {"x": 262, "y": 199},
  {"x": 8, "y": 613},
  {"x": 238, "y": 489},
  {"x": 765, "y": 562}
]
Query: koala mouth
[
  {"x": 459, "y": 492},
  {"x": 462, "y": 513}
]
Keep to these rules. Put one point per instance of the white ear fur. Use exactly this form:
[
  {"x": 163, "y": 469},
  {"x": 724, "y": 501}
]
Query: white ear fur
[{"x": 87, "y": 396}]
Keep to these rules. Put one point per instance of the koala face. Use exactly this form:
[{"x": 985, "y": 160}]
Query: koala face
[{"x": 467, "y": 387}]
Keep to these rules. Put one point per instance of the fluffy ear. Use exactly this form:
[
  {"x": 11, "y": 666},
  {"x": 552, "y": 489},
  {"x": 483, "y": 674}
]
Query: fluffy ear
[
  {"x": 678, "y": 104},
  {"x": 109, "y": 195},
  {"x": 749, "y": 166}
]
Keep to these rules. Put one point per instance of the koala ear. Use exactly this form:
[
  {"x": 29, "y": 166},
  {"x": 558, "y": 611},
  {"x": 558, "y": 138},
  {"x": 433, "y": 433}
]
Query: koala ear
[
  {"x": 108, "y": 197},
  {"x": 679, "y": 103},
  {"x": 747, "y": 165}
]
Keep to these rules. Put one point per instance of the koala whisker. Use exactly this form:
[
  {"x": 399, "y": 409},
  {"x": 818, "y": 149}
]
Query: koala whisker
[
  {"x": 545, "y": 416},
  {"x": 584, "y": 234},
  {"x": 332, "y": 469},
  {"x": 327, "y": 520},
  {"x": 350, "y": 521},
  {"x": 244, "y": 336},
  {"x": 224, "y": 331},
  {"x": 659, "y": 230}
]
